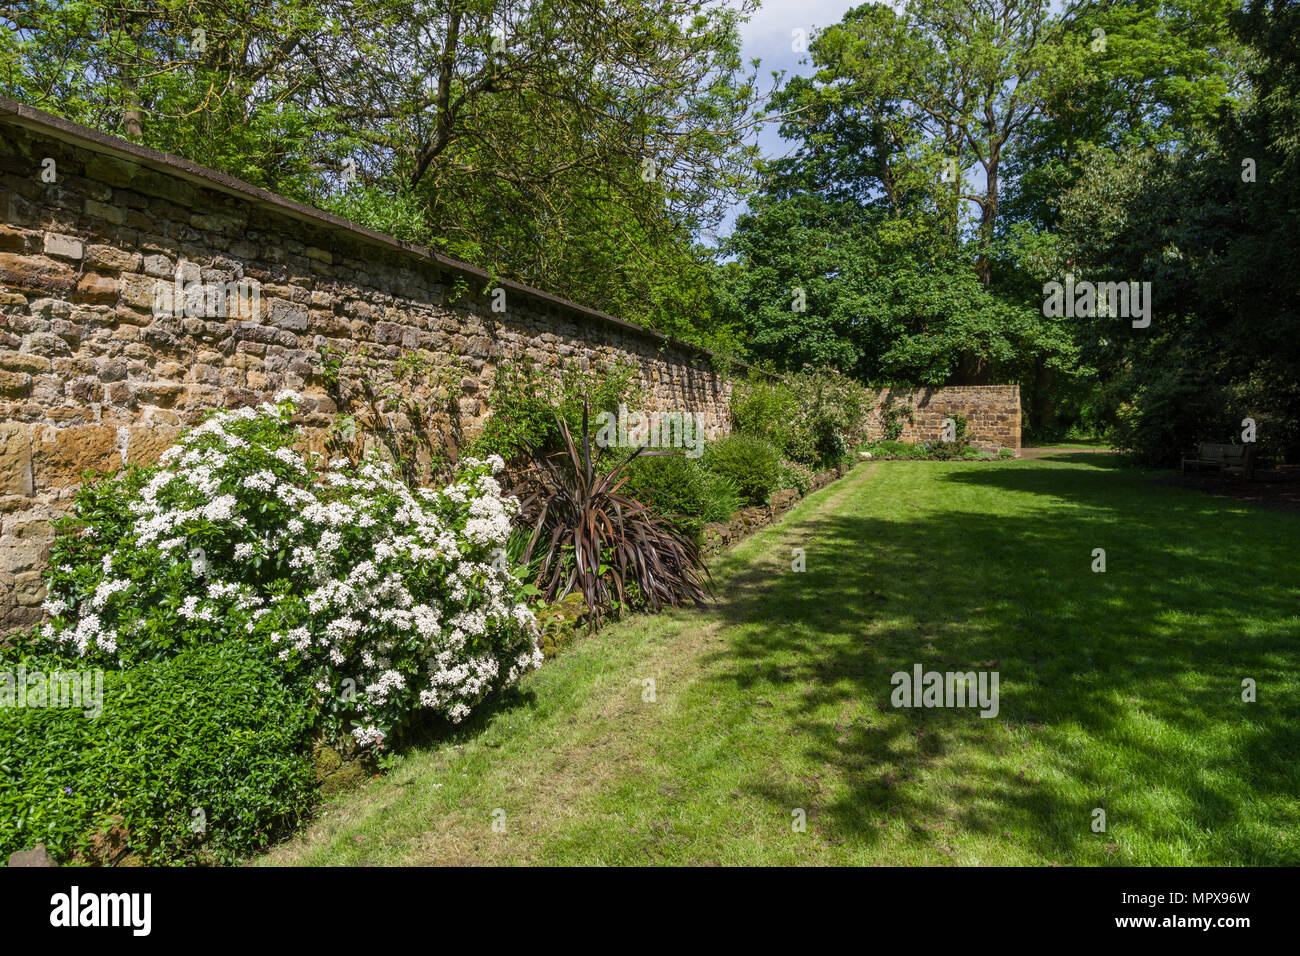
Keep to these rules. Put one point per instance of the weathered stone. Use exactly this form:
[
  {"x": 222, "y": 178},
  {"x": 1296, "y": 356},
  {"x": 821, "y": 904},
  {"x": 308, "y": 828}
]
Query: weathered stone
[
  {"x": 217, "y": 222},
  {"x": 99, "y": 210},
  {"x": 110, "y": 170},
  {"x": 22, "y": 362},
  {"x": 112, "y": 259},
  {"x": 46, "y": 344},
  {"x": 29, "y": 586},
  {"x": 12, "y": 240},
  {"x": 64, "y": 247},
  {"x": 35, "y": 274},
  {"x": 51, "y": 308},
  {"x": 163, "y": 394},
  {"x": 87, "y": 391},
  {"x": 146, "y": 442},
  {"x": 287, "y": 315},
  {"x": 61, "y": 455},
  {"x": 15, "y": 460},
  {"x": 140, "y": 291},
  {"x": 15, "y": 384},
  {"x": 159, "y": 266},
  {"x": 96, "y": 288},
  {"x": 37, "y": 856}
]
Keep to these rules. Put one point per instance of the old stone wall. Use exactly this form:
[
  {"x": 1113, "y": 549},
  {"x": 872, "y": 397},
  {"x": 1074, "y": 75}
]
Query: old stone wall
[
  {"x": 992, "y": 413},
  {"x": 138, "y": 291}
]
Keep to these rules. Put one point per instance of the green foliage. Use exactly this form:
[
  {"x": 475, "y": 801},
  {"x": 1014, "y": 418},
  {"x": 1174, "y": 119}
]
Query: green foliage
[
  {"x": 885, "y": 299},
  {"x": 528, "y": 161},
  {"x": 597, "y": 540},
  {"x": 815, "y": 417},
  {"x": 795, "y": 475},
  {"x": 527, "y": 403},
  {"x": 215, "y": 729},
  {"x": 1167, "y": 416},
  {"x": 764, "y": 406},
  {"x": 892, "y": 416},
  {"x": 683, "y": 490},
  {"x": 897, "y": 450},
  {"x": 929, "y": 451},
  {"x": 401, "y": 215},
  {"x": 1207, "y": 221},
  {"x": 751, "y": 463}
]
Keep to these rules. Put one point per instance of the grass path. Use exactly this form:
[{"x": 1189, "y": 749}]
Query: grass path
[{"x": 1119, "y": 691}]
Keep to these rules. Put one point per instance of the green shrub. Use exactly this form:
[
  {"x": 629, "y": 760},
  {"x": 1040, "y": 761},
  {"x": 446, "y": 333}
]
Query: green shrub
[
  {"x": 1170, "y": 413},
  {"x": 897, "y": 449},
  {"x": 526, "y": 399},
  {"x": 795, "y": 475},
  {"x": 754, "y": 465},
  {"x": 933, "y": 451},
  {"x": 203, "y": 756},
  {"x": 815, "y": 417},
  {"x": 344, "y": 572},
  {"x": 683, "y": 490},
  {"x": 768, "y": 408},
  {"x": 598, "y": 540}
]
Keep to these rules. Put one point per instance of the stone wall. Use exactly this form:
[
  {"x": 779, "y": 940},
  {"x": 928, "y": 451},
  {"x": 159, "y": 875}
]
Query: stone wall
[
  {"x": 101, "y": 366},
  {"x": 992, "y": 413}
]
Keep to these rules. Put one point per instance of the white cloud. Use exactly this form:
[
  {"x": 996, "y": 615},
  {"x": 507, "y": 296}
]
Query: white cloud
[{"x": 769, "y": 29}]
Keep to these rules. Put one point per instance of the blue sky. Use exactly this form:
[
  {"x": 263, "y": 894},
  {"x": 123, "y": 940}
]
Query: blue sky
[{"x": 769, "y": 36}]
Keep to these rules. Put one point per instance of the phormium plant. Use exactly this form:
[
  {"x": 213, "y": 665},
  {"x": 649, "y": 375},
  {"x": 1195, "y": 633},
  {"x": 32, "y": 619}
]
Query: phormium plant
[{"x": 596, "y": 539}]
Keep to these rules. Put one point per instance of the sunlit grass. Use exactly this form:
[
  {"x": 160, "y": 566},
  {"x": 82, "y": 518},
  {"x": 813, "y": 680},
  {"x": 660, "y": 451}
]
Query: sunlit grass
[{"x": 1118, "y": 691}]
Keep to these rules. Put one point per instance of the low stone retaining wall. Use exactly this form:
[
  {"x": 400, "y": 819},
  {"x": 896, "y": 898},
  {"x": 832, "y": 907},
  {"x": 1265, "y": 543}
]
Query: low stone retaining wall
[{"x": 719, "y": 536}]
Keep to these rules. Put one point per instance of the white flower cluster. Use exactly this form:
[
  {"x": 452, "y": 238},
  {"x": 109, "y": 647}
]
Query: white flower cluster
[{"x": 394, "y": 600}]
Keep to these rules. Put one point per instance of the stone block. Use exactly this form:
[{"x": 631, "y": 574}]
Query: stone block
[
  {"x": 61, "y": 455},
  {"x": 146, "y": 442},
  {"x": 112, "y": 259},
  {"x": 111, "y": 213},
  {"x": 64, "y": 247},
  {"x": 15, "y": 384},
  {"x": 96, "y": 289},
  {"x": 35, "y": 274},
  {"x": 15, "y": 459}
]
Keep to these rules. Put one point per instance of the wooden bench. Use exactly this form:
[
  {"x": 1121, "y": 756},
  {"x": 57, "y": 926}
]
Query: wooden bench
[{"x": 1225, "y": 459}]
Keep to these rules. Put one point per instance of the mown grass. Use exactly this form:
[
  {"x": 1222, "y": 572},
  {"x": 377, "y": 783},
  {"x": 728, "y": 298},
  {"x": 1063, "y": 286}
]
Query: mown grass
[{"x": 1119, "y": 690}]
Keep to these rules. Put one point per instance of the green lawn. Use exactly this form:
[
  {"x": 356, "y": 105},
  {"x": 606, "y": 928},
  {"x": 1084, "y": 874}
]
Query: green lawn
[{"x": 1119, "y": 691}]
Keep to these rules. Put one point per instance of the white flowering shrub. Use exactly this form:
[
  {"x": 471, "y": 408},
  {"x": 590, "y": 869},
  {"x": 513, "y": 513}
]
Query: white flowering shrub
[{"x": 395, "y": 601}]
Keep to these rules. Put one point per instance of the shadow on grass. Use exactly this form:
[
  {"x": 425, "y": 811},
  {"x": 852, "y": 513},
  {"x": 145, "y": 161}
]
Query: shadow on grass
[
  {"x": 434, "y": 731},
  {"x": 1129, "y": 680}
]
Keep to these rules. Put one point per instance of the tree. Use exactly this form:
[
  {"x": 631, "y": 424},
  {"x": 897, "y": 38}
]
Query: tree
[
  {"x": 524, "y": 135},
  {"x": 1213, "y": 226},
  {"x": 946, "y": 86},
  {"x": 870, "y": 217}
]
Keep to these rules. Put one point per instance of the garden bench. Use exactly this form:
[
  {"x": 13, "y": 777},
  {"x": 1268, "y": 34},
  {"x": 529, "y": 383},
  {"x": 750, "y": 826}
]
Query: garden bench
[{"x": 1226, "y": 459}]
